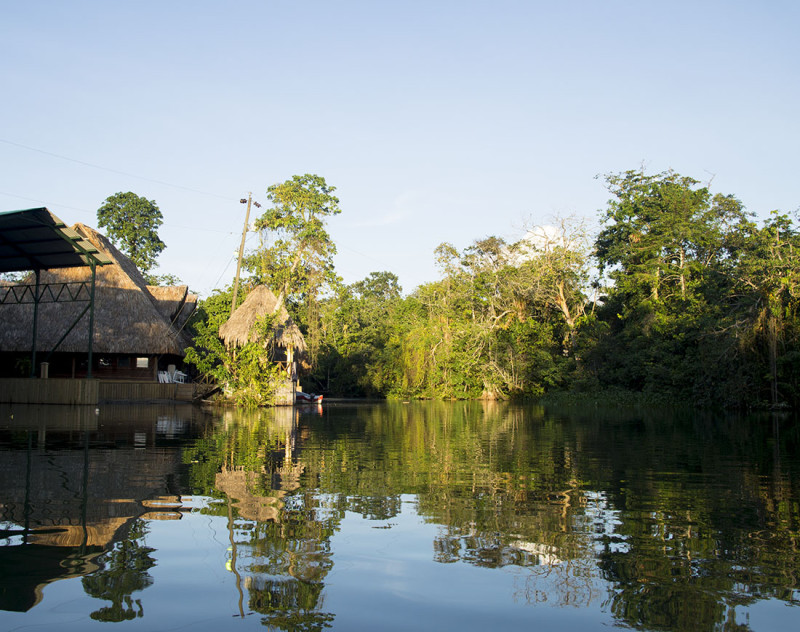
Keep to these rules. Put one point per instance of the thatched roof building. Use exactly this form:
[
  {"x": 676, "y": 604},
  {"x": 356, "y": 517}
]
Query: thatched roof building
[
  {"x": 131, "y": 319},
  {"x": 241, "y": 326}
]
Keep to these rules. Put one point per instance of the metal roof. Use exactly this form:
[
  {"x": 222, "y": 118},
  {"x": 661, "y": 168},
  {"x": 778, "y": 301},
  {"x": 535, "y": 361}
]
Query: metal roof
[{"x": 35, "y": 239}]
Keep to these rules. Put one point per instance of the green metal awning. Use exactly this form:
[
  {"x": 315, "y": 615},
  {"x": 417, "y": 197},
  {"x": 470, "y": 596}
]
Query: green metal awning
[{"x": 35, "y": 239}]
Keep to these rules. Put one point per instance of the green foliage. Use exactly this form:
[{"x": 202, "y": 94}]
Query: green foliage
[
  {"x": 132, "y": 223},
  {"x": 208, "y": 353},
  {"x": 254, "y": 376},
  {"x": 123, "y": 571},
  {"x": 356, "y": 356},
  {"x": 163, "y": 280},
  {"x": 695, "y": 301},
  {"x": 295, "y": 256},
  {"x": 703, "y": 301},
  {"x": 501, "y": 323},
  {"x": 249, "y": 374},
  {"x": 296, "y": 250}
]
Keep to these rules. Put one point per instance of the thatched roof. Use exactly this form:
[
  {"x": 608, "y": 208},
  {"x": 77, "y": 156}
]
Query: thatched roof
[
  {"x": 169, "y": 299},
  {"x": 240, "y": 327},
  {"x": 175, "y": 303},
  {"x": 128, "y": 318},
  {"x": 189, "y": 305},
  {"x": 239, "y": 485}
]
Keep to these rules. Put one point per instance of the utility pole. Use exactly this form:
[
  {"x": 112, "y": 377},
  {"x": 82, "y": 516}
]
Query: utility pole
[{"x": 249, "y": 201}]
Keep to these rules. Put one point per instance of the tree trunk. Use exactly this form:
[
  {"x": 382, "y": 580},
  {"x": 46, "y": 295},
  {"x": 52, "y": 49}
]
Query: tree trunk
[{"x": 772, "y": 343}]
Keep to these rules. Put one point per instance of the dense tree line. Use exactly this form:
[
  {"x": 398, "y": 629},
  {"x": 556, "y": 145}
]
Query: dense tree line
[{"x": 681, "y": 294}]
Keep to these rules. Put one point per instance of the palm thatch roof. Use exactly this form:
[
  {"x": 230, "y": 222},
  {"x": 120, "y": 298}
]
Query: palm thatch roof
[
  {"x": 175, "y": 303},
  {"x": 189, "y": 305},
  {"x": 128, "y": 318},
  {"x": 241, "y": 328},
  {"x": 169, "y": 299}
]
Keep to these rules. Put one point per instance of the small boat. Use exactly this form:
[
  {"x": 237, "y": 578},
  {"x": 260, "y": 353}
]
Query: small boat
[{"x": 310, "y": 398}]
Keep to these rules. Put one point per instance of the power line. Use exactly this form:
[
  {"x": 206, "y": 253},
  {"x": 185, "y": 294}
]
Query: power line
[
  {"x": 122, "y": 173},
  {"x": 53, "y": 204},
  {"x": 30, "y": 199}
]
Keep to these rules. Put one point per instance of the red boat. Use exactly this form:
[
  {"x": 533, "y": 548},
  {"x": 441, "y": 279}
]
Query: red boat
[{"x": 310, "y": 398}]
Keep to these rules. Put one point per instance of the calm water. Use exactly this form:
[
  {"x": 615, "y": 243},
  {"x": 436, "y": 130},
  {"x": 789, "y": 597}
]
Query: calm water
[{"x": 423, "y": 516}]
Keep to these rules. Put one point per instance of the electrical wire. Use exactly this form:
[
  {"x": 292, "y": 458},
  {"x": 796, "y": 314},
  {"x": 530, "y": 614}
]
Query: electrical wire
[{"x": 122, "y": 173}]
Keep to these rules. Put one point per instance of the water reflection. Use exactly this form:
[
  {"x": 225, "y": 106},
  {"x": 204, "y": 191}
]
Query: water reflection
[
  {"x": 69, "y": 497},
  {"x": 279, "y": 532},
  {"x": 123, "y": 571},
  {"x": 654, "y": 519}
]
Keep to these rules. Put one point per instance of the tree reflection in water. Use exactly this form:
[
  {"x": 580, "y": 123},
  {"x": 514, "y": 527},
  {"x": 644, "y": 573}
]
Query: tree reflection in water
[
  {"x": 667, "y": 522},
  {"x": 123, "y": 572},
  {"x": 280, "y": 533}
]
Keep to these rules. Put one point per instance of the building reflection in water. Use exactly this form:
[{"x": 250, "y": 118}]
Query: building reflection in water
[{"x": 71, "y": 503}]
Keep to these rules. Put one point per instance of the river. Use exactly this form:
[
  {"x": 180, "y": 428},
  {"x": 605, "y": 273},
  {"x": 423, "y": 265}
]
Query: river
[{"x": 398, "y": 516}]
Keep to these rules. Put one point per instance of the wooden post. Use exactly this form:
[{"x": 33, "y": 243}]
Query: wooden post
[
  {"x": 91, "y": 317},
  {"x": 35, "y": 323},
  {"x": 241, "y": 253}
]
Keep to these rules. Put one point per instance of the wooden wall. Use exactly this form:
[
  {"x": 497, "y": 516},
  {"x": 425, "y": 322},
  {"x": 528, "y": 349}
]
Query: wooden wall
[
  {"x": 52, "y": 391},
  {"x": 89, "y": 392},
  {"x": 144, "y": 391}
]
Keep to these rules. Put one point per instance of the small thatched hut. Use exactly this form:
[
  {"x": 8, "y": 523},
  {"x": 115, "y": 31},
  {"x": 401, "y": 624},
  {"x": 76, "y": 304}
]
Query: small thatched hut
[
  {"x": 287, "y": 340},
  {"x": 137, "y": 329}
]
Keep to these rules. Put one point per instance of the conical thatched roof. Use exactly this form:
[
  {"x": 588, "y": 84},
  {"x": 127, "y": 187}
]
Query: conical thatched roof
[
  {"x": 128, "y": 318},
  {"x": 240, "y": 328}
]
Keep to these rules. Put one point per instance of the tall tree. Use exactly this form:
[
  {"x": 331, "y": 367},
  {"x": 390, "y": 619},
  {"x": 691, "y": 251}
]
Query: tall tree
[
  {"x": 296, "y": 254},
  {"x": 655, "y": 229},
  {"x": 767, "y": 293},
  {"x": 132, "y": 223},
  {"x": 704, "y": 302},
  {"x": 553, "y": 264}
]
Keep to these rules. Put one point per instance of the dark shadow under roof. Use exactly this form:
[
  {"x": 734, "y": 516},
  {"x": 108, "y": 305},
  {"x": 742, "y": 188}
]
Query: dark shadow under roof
[{"x": 35, "y": 239}]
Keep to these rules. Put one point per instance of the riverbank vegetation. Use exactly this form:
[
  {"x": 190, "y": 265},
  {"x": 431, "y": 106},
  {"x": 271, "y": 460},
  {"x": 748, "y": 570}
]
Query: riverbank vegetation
[{"x": 681, "y": 294}]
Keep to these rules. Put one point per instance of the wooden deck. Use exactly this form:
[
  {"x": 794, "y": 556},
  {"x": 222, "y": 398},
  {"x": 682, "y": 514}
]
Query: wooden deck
[
  {"x": 52, "y": 391},
  {"x": 97, "y": 391},
  {"x": 144, "y": 391},
  {"x": 90, "y": 392}
]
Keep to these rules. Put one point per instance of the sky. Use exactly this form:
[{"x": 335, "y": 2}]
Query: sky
[{"x": 436, "y": 121}]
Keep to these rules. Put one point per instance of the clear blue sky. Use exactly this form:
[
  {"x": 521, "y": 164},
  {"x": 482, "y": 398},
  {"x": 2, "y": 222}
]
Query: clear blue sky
[{"x": 436, "y": 120}]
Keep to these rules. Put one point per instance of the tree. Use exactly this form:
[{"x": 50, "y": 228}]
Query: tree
[
  {"x": 553, "y": 273},
  {"x": 132, "y": 224},
  {"x": 299, "y": 260},
  {"x": 358, "y": 321},
  {"x": 248, "y": 373},
  {"x": 704, "y": 301},
  {"x": 164, "y": 280},
  {"x": 662, "y": 245},
  {"x": 123, "y": 572},
  {"x": 656, "y": 228},
  {"x": 766, "y": 276}
]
